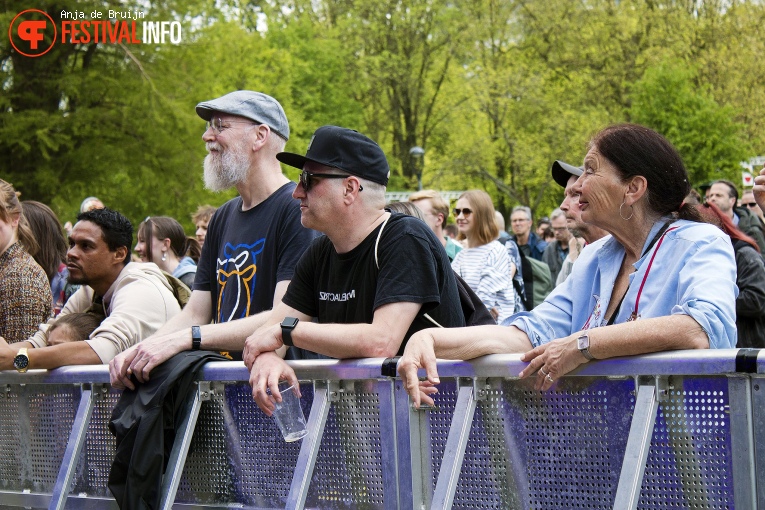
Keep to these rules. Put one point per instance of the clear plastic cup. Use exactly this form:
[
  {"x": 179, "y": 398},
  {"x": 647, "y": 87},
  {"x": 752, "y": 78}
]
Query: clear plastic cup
[{"x": 288, "y": 413}]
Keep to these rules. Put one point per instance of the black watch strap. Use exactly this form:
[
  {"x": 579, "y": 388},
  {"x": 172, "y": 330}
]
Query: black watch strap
[
  {"x": 196, "y": 338},
  {"x": 288, "y": 324}
]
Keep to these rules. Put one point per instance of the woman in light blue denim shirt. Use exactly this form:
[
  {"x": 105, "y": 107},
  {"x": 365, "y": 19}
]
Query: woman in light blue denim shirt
[{"x": 663, "y": 280}]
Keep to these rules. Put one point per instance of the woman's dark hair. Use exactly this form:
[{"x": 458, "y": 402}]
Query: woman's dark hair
[
  {"x": 165, "y": 227},
  {"x": 712, "y": 214},
  {"x": 49, "y": 233},
  {"x": 637, "y": 150}
]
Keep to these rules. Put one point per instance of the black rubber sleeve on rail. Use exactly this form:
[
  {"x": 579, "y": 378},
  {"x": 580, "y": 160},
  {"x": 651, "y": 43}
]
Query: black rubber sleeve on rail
[
  {"x": 746, "y": 361},
  {"x": 389, "y": 366}
]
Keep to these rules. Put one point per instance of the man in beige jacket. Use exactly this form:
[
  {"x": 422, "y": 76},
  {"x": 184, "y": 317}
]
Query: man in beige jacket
[{"x": 134, "y": 299}]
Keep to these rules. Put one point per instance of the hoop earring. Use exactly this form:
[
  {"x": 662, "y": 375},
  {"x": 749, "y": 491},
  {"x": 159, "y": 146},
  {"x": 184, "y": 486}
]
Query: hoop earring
[
  {"x": 622, "y": 215},
  {"x": 164, "y": 256}
]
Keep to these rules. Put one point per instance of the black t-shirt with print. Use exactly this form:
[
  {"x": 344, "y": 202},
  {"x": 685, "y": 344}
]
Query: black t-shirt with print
[
  {"x": 347, "y": 288},
  {"x": 246, "y": 253}
]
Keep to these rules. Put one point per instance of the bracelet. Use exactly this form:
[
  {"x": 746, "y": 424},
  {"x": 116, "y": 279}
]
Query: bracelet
[{"x": 196, "y": 338}]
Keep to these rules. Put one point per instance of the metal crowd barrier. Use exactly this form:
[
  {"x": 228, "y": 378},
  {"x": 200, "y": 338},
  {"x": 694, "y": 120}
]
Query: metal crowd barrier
[{"x": 678, "y": 430}]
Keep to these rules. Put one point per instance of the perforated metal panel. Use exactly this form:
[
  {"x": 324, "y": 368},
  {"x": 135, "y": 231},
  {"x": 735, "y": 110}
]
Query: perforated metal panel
[
  {"x": 527, "y": 449},
  {"x": 92, "y": 475},
  {"x": 575, "y": 441},
  {"x": 10, "y": 432},
  {"x": 348, "y": 471},
  {"x": 43, "y": 417},
  {"x": 561, "y": 449},
  {"x": 439, "y": 421},
  {"x": 237, "y": 454},
  {"x": 689, "y": 464}
]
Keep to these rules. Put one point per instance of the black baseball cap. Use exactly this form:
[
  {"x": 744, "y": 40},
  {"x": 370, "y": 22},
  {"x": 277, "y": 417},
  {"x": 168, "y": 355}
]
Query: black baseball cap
[
  {"x": 256, "y": 106},
  {"x": 562, "y": 172},
  {"x": 346, "y": 150}
]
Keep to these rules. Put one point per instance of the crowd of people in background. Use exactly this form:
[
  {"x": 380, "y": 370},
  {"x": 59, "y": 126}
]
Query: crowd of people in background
[
  {"x": 632, "y": 261},
  {"x": 486, "y": 256},
  {"x": 509, "y": 272}
]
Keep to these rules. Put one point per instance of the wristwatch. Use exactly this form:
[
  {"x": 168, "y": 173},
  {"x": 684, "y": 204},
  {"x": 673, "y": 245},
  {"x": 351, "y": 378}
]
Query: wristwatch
[
  {"x": 196, "y": 338},
  {"x": 288, "y": 324},
  {"x": 21, "y": 361},
  {"x": 583, "y": 342}
]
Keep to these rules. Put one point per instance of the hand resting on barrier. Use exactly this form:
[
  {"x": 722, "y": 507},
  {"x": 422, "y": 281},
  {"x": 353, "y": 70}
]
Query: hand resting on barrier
[
  {"x": 266, "y": 372},
  {"x": 143, "y": 357},
  {"x": 452, "y": 343}
]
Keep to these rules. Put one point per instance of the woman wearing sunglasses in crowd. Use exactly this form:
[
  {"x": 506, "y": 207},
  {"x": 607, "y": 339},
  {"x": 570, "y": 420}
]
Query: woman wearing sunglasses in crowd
[
  {"x": 663, "y": 280},
  {"x": 484, "y": 263}
]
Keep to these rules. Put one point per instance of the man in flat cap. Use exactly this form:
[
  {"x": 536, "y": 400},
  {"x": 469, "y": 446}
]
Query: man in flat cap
[
  {"x": 373, "y": 280},
  {"x": 253, "y": 241}
]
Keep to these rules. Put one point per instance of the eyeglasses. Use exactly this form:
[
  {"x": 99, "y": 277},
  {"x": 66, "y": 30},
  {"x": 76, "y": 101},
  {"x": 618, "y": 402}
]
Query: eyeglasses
[
  {"x": 749, "y": 204},
  {"x": 465, "y": 212},
  {"x": 306, "y": 179},
  {"x": 216, "y": 124}
]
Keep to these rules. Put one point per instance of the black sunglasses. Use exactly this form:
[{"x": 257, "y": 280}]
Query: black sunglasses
[
  {"x": 465, "y": 212},
  {"x": 306, "y": 179}
]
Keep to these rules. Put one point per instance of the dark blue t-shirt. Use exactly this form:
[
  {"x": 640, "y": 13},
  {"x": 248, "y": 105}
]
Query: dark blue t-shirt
[{"x": 246, "y": 253}]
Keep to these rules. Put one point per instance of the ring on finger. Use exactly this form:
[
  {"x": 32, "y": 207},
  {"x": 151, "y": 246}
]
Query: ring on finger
[
  {"x": 543, "y": 371},
  {"x": 549, "y": 378}
]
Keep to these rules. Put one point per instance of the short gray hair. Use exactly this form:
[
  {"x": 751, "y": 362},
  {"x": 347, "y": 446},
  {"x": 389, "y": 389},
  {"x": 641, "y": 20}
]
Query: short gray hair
[
  {"x": 374, "y": 191},
  {"x": 523, "y": 208},
  {"x": 556, "y": 213}
]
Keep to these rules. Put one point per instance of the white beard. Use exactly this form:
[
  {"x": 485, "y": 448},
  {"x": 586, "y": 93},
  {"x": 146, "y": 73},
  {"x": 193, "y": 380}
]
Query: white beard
[{"x": 225, "y": 171}]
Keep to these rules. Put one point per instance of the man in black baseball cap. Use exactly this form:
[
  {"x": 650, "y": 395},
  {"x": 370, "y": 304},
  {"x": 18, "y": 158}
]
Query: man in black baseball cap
[
  {"x": 369, "y": 281},
  {"x": 566, "y": 175},
  {"x": 346, "y": 150},
  {"x": 562, "y": 172},
  {"x": 253, "y": 241}
]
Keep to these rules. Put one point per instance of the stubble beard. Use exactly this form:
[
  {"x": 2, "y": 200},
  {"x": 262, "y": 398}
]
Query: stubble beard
[{"x": 226, "y": 170}]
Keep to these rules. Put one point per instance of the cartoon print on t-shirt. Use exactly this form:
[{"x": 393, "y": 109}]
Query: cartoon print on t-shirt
[{"x": 236, "y": 279}]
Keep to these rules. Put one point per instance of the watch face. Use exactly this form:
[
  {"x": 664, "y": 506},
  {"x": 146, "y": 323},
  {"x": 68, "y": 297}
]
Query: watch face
[
  {"x": 583, "y": 342},
  {"x": 20, "y": 362},
  {"x": 289, "y": 322}
]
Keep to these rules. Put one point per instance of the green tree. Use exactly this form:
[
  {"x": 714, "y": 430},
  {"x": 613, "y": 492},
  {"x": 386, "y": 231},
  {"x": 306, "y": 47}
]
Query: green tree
[{"x": 670, "y": 99}]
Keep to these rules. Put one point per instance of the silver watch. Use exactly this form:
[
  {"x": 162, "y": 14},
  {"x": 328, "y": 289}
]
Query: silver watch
[{"x": 583, "y": 342}]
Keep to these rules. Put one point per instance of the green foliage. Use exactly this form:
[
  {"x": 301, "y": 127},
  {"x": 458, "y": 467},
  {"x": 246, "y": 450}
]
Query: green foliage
[
  {"x": 670, "y": 100},
  {"x": 493, "y": 90}
]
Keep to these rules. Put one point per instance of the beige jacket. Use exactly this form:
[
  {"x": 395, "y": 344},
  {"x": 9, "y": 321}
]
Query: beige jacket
[{"x": 137, "y": 304}]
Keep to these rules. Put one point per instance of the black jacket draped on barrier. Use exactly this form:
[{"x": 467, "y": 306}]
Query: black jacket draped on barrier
[{"x": 144, "y": 423}]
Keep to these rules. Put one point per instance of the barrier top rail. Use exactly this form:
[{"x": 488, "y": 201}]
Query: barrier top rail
[{"x": 689, "y": 362}]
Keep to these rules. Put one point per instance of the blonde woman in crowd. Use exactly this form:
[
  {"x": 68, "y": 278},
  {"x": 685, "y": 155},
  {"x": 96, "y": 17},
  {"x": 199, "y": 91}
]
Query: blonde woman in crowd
[{"x": 484, "y": 263}]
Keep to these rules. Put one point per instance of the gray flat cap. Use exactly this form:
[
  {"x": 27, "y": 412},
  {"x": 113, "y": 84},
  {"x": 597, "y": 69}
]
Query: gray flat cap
[
  {"x": 255, "y": 106},
  {"x": 562, "y": 172}
]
